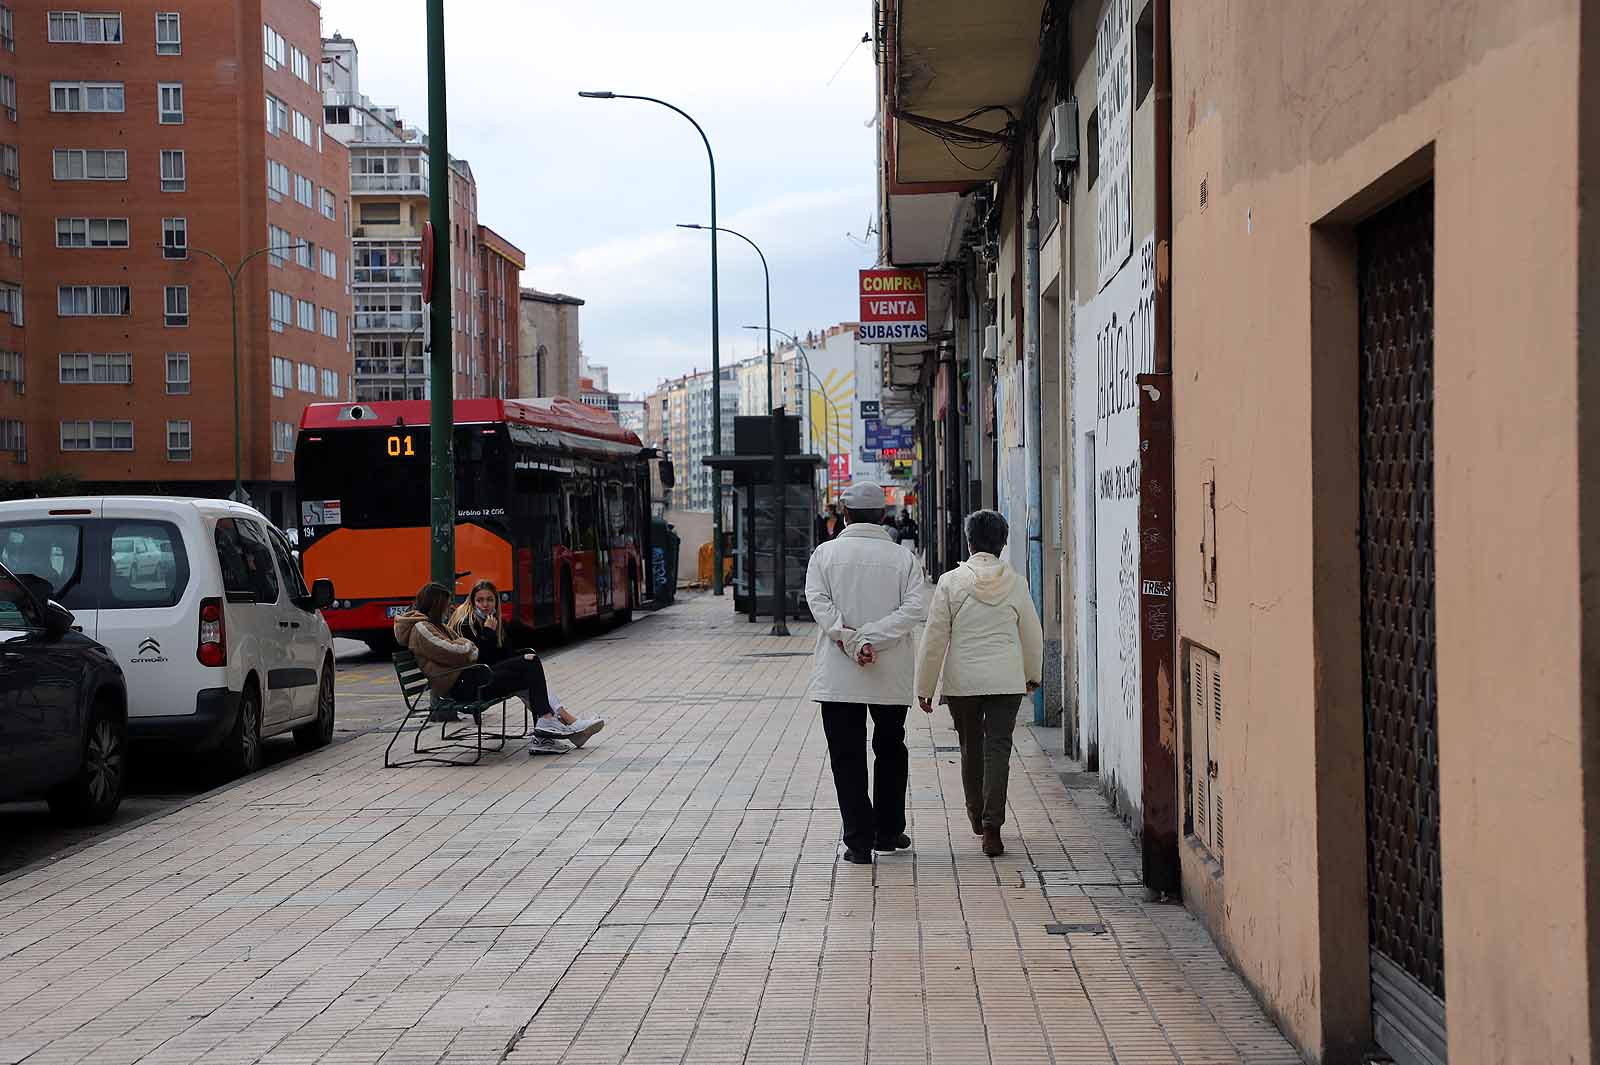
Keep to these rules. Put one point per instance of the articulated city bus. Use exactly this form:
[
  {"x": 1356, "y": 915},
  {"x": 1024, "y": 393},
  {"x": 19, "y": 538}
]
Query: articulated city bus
[{"x": 552, "y": 505}]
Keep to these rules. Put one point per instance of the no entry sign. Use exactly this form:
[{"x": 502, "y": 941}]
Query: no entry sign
[{"x": 894, "y": 306}]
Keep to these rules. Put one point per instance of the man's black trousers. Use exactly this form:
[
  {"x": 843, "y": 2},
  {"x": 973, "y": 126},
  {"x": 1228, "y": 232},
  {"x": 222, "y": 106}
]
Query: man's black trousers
[{"x": 882, "y": 817}]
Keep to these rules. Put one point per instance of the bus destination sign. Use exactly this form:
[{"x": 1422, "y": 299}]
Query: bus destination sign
[{"x": 894, "y": 306}]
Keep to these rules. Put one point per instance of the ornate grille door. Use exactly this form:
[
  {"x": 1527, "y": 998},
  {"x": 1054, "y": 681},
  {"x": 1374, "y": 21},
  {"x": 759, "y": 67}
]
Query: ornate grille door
[{"x": 1398, "y": 673}]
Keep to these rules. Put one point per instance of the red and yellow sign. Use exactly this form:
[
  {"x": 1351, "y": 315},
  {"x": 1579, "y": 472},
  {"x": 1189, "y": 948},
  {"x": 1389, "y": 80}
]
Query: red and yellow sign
[{"x": 894, "y": 306}]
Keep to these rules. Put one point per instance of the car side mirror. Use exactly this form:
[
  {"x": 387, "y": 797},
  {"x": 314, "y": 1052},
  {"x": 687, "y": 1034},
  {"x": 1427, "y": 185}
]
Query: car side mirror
[{"x": 58, "y": 620}]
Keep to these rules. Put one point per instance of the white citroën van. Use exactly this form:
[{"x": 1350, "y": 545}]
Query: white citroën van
[{"x": 202, "y": 604}]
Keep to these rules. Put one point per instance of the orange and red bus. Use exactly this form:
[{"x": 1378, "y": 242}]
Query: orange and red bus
[{"x": 552, "y": 505}]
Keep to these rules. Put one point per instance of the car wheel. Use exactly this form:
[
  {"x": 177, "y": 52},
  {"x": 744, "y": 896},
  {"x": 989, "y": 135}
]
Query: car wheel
[
  {"x": 92, "y": 797},
  {"x": 320, "y": 732},
  {"x": 241, "y": 751}
]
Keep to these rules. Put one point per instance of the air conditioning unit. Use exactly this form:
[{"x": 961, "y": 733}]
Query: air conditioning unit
[
  {"x": 991, "y": 339},
  {"x": 1066, "y": 123}
]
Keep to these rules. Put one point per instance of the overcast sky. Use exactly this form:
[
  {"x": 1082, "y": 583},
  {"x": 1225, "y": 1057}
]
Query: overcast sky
[{"x": 591, "y": 189}]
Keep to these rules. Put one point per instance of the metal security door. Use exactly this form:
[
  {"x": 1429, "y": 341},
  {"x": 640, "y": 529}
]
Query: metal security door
[{"x": 1398, "y": 674}]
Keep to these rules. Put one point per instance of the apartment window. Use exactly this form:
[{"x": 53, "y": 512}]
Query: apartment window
[
  {"x": 280, "y": 310},
  {"x": 330, "y": 263},
  {"x": 87, "y": 96},
  {"x": 180, "y": 442},
  {"x": 174, "y": 171},
  {"x": 177, "y": 305},
  {"x": 277, "y": 115},
  {"x": 330, "y": 323},
  {"x": 178, "y": 380},
  {"x": 8, "y": 35},
  {"x": 305, "y": 191},
  {"x": 11, "y": 303},
  {"x": 169, "y": 33},
  {"x": 84, "y": 27},
  {"x": 330, "y": 206},
  {"x": 97, "y": 435},
  {"x": 93, "y": 164},
  {"x": 330, "y": 384},
  {"x": 10, "y": 166},
  {"x": 11, "y": 368},
  {"x": 91, "y": 232},
  {"x": 282, "y": 441},
  {"x": 96, "y": 368},
  {"x": 305, "y": 315},
  {"x": 279, "y": 244},
  {"x": 274, "y": 49},
  {"x": 174, "y": 238},
  {"x": 308, "y": 377},
  {"x": 305, "y": 254},
  {"x": 92, "y": 301},
  {"x": 8, "y": 95},
  {"x": 302, "y": 128},
  {"x": 277, "y": 180},
  {"x": 11, "y": 231},
  {"x": 282, "y": 376},
  {"x": 171, "y": 94},
  {"x": 380, "y": 214}
]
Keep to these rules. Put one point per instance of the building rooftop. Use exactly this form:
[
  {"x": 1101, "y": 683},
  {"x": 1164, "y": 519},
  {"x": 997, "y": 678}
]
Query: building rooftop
[{"x": 550, "y": 297}]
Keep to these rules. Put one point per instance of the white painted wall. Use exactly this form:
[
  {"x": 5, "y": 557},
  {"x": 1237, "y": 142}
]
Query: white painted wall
[{"x": 1113, "y": 343}]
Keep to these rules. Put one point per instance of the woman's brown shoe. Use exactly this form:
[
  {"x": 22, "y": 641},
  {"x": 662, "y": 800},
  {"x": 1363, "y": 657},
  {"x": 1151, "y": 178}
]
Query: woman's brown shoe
[{"x": 991, "y": 842}]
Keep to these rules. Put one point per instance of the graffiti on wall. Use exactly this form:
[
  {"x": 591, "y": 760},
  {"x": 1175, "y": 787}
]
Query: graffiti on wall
[{"x": 1128, "y": 624}]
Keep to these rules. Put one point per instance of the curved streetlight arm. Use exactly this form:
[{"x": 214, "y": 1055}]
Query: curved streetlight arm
[{"x": 766, "y": 275}]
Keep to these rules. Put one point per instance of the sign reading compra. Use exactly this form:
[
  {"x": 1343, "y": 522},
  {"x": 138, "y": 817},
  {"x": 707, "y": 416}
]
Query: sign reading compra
[{"x": 894, "y": 306}]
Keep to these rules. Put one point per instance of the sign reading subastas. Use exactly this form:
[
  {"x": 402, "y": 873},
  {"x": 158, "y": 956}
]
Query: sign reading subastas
[{"x": 894, "y": 306}]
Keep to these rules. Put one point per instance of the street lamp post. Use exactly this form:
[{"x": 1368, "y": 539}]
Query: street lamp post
[
  {"x": 766, "y": 275},
  {"x": 441, "y": 371},
  {"x": 716, "y": 349},
  {"x": 827, "y": 404},
  {"x": 232, "y": 274}
]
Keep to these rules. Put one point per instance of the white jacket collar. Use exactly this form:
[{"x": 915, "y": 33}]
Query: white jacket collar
[{"x": 877, "y": 532}]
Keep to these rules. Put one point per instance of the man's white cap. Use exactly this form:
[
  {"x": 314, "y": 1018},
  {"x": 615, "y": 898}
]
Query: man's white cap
[{"x": 863, "y": 495}]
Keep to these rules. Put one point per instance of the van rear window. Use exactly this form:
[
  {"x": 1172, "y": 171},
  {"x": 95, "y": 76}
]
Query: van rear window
[{"x": 107, "y": 564}]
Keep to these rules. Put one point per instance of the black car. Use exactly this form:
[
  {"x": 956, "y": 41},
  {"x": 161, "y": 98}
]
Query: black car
[{"x": 63, "y": 708}]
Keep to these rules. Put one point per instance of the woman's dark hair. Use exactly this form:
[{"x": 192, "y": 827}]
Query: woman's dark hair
[
  {"x": 987, "y": 531},
  {"x": 432, "y": 601}
]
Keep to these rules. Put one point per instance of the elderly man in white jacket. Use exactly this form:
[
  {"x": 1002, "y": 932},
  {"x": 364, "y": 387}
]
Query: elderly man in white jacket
[{"x": 866, "y": 594}]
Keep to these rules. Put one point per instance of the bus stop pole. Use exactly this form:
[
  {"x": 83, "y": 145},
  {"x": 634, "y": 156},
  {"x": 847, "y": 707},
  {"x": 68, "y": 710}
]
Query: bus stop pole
[{"x": 441, "y": 436}]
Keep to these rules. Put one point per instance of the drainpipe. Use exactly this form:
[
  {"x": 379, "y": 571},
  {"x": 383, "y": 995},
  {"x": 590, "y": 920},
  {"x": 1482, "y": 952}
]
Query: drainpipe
[
  {"x": 975, "y": 392},
  {"x": 1034, "y": 433}
]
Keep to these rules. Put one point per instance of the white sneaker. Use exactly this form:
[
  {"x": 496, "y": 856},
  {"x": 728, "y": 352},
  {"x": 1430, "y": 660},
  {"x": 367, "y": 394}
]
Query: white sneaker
[
  {"x": 551, "y": 725},
  {"x": 544, "y": 745},
  {"x": 583, "y": 728}
]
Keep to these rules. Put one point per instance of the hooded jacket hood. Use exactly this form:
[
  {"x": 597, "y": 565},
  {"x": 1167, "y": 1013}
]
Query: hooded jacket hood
[
  {"x": 992, "y": 580},
  {"x": 405, "y": 623}
]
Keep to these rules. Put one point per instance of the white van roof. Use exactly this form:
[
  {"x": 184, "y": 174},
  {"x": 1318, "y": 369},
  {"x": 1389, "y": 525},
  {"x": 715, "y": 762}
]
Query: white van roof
[{"x": 52, "y": 504}]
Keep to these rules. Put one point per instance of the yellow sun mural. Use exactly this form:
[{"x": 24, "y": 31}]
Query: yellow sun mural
[{"x": 834, "y": 403}]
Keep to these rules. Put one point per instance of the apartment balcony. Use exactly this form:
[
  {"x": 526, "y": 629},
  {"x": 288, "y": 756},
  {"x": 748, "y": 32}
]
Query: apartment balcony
[
  {"x": 373, "y": 184},
  {"x": 387, "y": 321}
]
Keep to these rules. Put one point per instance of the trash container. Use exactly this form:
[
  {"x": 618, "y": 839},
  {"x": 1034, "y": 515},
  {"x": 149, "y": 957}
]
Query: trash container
[{"x": 664, "y": 547}]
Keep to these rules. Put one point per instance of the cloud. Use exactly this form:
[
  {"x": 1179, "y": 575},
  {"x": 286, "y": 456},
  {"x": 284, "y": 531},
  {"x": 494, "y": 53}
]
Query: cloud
[{"x": 591, "y": 190}]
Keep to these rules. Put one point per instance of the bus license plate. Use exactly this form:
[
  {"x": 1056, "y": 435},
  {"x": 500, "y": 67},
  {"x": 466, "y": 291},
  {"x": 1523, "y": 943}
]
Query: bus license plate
[{"x": 396, "y": 611}]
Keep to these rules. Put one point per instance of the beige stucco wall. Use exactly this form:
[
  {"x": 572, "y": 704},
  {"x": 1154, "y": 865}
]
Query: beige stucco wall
[
  {"x": 1292, "y": 110},
  {"x": 553, "y": 326}
]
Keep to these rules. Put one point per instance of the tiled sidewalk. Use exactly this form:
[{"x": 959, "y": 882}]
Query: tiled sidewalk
[{"x": 668, "y": 894}]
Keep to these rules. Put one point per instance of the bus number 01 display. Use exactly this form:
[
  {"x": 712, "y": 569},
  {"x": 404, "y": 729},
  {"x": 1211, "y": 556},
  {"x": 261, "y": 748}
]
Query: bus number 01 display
[{"x": 401, "y": 445}]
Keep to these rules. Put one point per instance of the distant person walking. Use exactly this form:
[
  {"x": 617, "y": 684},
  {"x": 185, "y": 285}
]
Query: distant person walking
[
  {"x": 984, "y": 640},
  {"x": 908, "y": 529},
  {"x": 867, "y": 598}
]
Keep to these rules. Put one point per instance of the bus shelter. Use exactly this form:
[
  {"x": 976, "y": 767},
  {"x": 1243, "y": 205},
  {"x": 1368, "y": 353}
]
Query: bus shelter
[{"x": 755, "y": 518}]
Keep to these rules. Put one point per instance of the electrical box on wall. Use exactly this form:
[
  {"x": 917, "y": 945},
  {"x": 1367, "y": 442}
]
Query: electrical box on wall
[
  {"x": 1065, "y": 117},
  {"x": 991, "y": 342}
]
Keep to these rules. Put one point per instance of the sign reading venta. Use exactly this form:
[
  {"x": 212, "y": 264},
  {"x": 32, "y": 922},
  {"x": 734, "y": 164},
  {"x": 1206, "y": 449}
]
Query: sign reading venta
[{"x": 894, "y": 306}]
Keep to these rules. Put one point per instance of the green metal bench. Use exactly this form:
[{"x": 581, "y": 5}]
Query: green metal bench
[{"x": 453, "y": 746}]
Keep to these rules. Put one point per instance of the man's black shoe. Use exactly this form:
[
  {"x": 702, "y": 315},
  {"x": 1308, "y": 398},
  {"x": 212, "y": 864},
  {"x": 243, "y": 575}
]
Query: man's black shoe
[
  {"x": 855, "y": 857},
  {"x": 899, "y": 843}
]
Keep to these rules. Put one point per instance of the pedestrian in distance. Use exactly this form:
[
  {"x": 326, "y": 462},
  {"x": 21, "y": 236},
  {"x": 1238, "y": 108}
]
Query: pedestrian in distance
[
  {"x": 866, "y": 595},
  {"x": 984, "y": 641},
  {"x": 890, "y": 527},
  {"x": 908, "y": 529},
  {"x": 478, "y": 620},
  {"x": 822, "y": 531}
]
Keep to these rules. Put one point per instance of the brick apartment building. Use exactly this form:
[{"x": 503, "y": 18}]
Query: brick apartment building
[
  {"x": 130, "y": 158},
  {"x": 389, "y": 183}
]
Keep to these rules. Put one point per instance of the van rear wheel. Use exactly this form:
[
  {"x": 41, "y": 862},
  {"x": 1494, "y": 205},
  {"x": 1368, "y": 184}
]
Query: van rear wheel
[{"x": 241, "y": 750}]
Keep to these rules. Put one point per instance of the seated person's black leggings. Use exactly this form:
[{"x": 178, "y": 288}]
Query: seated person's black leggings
[{"x": 515, "y": 675}]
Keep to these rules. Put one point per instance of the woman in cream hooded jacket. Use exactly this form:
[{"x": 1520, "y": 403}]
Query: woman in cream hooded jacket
[{"x": 983, "y": 640}]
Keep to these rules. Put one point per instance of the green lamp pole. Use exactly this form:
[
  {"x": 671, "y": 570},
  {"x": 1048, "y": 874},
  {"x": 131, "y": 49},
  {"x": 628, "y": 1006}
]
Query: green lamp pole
[{"x": 442, "y": 422}]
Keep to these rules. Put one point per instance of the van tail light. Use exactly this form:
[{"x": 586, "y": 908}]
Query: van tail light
[{"x": 213, "y": 649}]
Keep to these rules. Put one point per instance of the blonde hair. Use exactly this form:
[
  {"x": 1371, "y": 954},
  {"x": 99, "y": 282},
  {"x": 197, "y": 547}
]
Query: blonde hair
[{"x": 465, "y": 623}]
